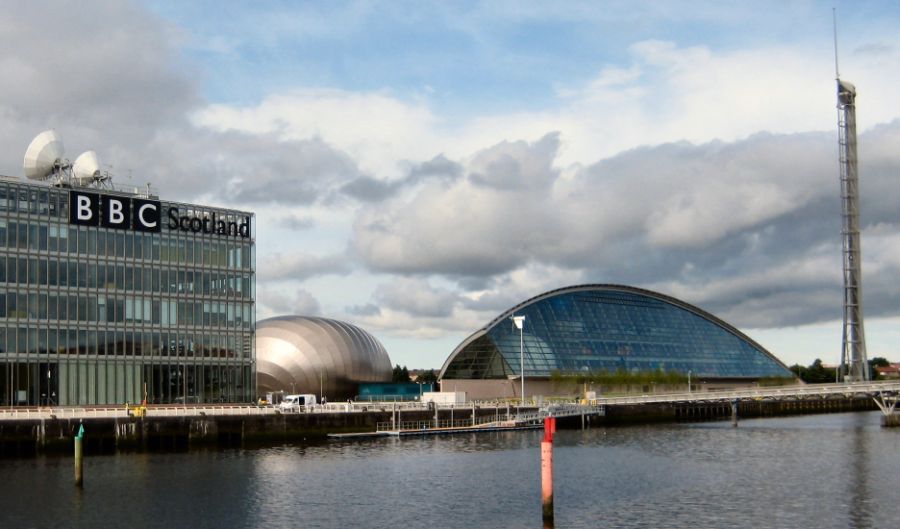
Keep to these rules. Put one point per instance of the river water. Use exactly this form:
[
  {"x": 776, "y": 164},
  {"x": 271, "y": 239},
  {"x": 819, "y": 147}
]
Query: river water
[{"x": 817, "y": 471}]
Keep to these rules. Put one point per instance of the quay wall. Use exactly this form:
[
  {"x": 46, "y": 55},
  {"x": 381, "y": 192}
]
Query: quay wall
[
  {"x": 24, "y": 437},
  {"x": 28, "y": 437},
  {"x": 643, "y": 413}
]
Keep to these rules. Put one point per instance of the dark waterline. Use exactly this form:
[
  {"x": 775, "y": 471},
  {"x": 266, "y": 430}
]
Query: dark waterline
[{"x": 817, "y": 471}]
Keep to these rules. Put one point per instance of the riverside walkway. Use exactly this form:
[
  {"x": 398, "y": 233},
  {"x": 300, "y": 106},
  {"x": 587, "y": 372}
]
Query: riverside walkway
[{"x": 504, "y": 412}]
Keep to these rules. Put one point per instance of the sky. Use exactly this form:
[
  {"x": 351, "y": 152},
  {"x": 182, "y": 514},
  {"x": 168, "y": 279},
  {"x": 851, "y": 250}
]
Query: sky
[{"x": 418, "y": 168}]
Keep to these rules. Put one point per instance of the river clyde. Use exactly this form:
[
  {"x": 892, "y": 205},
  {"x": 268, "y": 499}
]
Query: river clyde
[{"x": 817, "y": 471}]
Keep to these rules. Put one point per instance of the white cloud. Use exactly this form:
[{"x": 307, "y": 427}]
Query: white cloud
[{"x": 378, "y": 130}]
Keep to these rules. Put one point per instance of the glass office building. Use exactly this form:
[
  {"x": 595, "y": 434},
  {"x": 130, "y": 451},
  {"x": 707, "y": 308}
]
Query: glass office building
[
  {"x": 610, "y": 327},
  {"x": 109, "y": 297}
]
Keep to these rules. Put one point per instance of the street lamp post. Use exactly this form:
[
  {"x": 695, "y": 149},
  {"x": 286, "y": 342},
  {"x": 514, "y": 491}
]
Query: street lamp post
[
  {"x": 689, "y": 381},
  {"x": 519, "y": 322}
]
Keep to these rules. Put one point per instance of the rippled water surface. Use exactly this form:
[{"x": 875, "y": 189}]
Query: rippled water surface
[{"x": 816, "y": 471}]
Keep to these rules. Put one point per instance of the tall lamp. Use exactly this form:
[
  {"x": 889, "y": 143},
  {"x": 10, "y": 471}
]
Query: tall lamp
[{"x": 519, "y": 321}]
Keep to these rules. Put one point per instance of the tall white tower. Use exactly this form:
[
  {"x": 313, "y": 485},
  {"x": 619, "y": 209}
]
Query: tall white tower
[{"x": 854, "y": 364}]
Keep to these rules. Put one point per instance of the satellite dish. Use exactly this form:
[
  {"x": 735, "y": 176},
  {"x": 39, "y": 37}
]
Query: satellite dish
[
  {"x": 44, "y": 155},
  {"x": 86, "y": 168}
]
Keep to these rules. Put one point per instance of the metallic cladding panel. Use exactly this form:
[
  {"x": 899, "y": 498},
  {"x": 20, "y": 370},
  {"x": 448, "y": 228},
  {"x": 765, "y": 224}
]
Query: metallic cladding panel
[{"x": 298, "y": 354}]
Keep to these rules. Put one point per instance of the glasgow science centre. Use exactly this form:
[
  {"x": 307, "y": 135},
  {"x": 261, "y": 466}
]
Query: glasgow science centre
[{"x": 110, "y": 296}]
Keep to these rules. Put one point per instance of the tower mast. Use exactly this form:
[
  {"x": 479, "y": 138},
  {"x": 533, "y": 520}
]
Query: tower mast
[{"x": 854, "y": 364}]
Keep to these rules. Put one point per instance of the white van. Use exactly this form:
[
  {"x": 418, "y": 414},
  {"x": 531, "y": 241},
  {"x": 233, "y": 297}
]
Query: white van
[{"x": 294, "y": 402}]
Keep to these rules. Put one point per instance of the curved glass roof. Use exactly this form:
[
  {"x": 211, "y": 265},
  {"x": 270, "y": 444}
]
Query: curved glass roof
[{"x": 610, "y": 327}]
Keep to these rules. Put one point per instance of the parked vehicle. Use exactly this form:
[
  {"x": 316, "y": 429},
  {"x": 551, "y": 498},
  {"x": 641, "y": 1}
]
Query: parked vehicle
[{"x": 294, "y": 402}]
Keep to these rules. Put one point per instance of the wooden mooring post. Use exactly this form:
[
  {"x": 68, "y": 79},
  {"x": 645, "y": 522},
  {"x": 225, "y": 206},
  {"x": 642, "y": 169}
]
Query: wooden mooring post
[{"x": 79, "y": 468}]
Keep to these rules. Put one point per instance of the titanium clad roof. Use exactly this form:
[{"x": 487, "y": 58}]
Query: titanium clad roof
[{"x": 296, "y": 354}]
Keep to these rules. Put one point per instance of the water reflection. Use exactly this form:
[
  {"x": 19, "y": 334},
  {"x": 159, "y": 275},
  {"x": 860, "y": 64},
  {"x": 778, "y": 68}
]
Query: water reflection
[
  {"x": 860, "y": 500},
  {"x": 813, "y": 471}
]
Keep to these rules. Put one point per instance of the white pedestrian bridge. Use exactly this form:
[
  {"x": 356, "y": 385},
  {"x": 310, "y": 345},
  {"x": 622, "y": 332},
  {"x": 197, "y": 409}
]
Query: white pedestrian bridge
[{"x": 774, "y": 393}]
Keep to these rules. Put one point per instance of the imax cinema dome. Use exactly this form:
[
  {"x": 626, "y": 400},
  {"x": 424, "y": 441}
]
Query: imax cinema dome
[
  {"x": 300, "y": 354},
  {"x": 610, "y": 327}
]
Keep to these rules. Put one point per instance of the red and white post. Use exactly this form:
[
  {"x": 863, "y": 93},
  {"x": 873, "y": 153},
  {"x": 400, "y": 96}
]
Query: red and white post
[{"x": 547, "y": 469}]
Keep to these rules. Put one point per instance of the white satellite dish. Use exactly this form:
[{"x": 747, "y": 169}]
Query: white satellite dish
[
  {"x": 86, "y": 168},
  {"x": 44, "y": 155}
]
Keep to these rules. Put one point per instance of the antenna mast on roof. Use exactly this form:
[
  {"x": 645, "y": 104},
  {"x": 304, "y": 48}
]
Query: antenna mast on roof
[{"x": 854, "y": 364}]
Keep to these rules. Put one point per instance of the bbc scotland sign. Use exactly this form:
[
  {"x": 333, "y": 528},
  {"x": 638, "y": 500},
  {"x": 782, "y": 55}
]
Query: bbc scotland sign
[{"x": 138, "y": 214}]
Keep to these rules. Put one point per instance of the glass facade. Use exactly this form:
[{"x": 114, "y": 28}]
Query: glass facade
[
  {"x": 95, "y": 315},
  {"x": 610, "y": 327}
]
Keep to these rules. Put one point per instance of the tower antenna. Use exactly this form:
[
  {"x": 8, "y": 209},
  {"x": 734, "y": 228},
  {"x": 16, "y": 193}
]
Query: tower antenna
[
  {"x": 854, "y": 363},
  {"x": 837, "y": 73}
]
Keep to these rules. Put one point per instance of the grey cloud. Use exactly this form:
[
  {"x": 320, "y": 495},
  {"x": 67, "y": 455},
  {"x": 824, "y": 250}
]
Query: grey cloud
[
  {"x": 513, "y": 165},
  {"x": 749, "y": 230},
  {"x": 107, "y": 76},
  {"x": 104, "y": 74},
  {"x": 299, "y": 266},
  {"x": 302, "y": 303},
  {"x": 417, "y": 297},
  {"x": 368, "y": 309},
  {"x": 297, "y": 223},
  {"x": 439, "y": 167},
  {"x": 370, "y": 189},
  {"x": 296, "y": 172}
]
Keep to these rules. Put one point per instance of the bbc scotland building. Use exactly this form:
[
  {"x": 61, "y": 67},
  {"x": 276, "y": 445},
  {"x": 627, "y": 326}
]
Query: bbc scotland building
[{"x": 109, "y": 297}]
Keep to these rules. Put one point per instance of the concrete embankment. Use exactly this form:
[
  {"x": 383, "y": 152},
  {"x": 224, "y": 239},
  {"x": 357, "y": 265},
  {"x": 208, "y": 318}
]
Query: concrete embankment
[
  {"x": 643, "y": 413},
  {"x": 27, "y": 437},
  {"x": 23, "y": 437}
]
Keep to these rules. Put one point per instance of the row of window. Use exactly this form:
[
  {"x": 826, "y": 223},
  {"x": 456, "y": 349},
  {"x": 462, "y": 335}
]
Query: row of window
[
  {"x": 101, "y": 382},
  {"x": 125, "y": 309},
  {"x": 70, "y": 341},
  {"x": 120, "y": 244},
  {"x": 43, "y": 272}
]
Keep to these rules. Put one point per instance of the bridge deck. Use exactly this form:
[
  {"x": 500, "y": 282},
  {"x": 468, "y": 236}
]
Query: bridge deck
[{"x": 799, "y": 392}]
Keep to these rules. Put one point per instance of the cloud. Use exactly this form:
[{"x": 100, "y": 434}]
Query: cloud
[
  {"x": 417, "y": 297},
  {"x": 300, "y": 266},
  {"x": 369, "y": 189},
  {"x": 296, "y": 222},
  {"x": 105, "y": 75},
  {"x": 650, "y": 171},
  {"x": 280, "y": 303},
  {"x": 375, "y": 129},
  {"x": 742, "y": 228}
]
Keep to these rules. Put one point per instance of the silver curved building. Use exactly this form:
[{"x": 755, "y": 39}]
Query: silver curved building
[{"x": 300, "y": 354}]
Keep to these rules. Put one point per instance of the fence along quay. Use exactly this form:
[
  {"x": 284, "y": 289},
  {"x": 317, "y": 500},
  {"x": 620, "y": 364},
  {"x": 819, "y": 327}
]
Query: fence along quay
[{"x": 32, "y": 430}]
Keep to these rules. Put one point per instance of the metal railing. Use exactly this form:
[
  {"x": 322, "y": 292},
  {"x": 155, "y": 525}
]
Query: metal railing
[
  {"x": 496, "y": 420},
  {"x": 867, "y": 389},
  {"x": 89, "y": 412},
  {"x": 480, "y": 422}
]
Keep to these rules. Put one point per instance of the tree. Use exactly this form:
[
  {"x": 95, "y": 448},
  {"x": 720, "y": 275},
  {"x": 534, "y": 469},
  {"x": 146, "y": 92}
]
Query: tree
[
  {"x": 428, "y": 377},
  {"x": 400, "y": 374},
  {"x": 816, "y": 373},
  {"x": 878, "y": 361}
]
